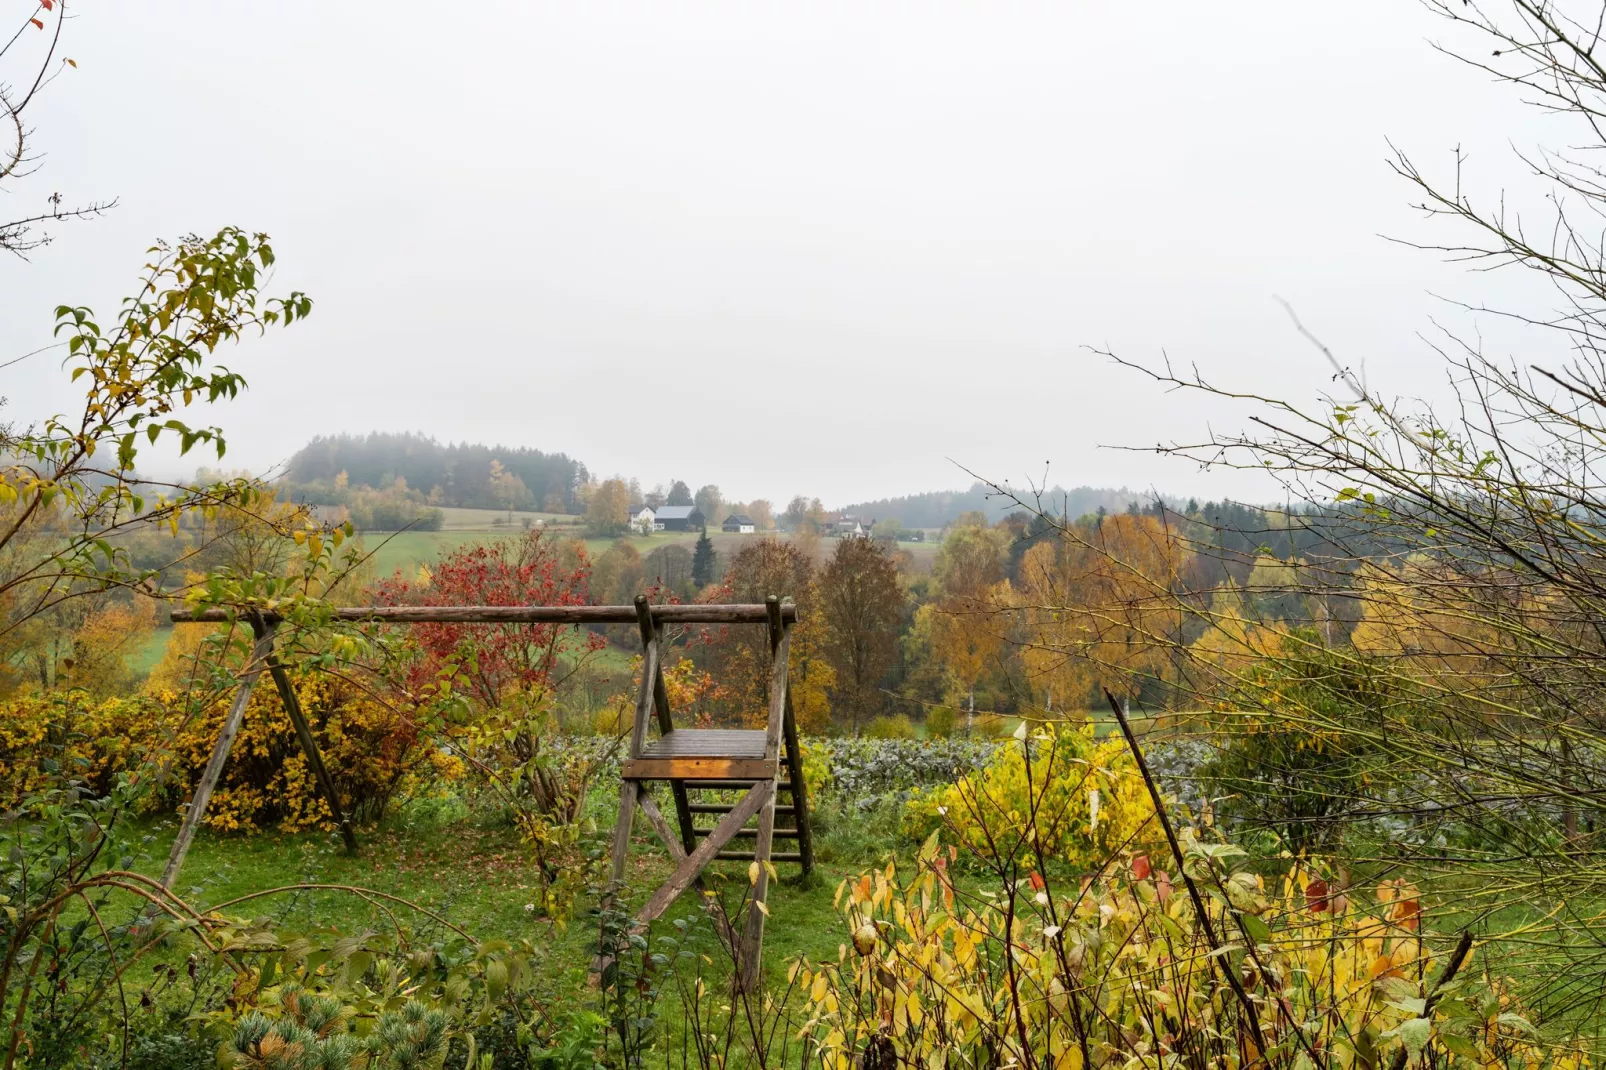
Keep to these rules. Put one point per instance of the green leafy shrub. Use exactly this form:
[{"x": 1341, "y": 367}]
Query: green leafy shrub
[
  {"x": 988, "y": 726},
  {"x": 1285, "y": 762},
  {"x": 941, "y": 721},
  {"x": 896, "y": 726}
]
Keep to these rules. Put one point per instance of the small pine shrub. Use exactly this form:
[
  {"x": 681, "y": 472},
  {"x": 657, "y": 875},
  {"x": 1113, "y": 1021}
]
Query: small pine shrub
[{"x": 895, "y": 727}]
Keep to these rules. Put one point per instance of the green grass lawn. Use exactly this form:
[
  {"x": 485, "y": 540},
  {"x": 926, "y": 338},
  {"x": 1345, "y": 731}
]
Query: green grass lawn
[{"x": 484, "y": 879}]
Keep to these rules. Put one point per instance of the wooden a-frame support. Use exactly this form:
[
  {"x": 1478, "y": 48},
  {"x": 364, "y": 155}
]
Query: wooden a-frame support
[
  {"x": 262, "y": 657},
  {"x": 714, "y": 759}
]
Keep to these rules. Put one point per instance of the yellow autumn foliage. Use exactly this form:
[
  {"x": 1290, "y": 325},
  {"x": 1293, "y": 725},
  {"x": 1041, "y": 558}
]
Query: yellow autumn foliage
[
  {"x": 84, "y": 738},
  {"x": 372, "y": 751},
  {"x": 1120, "y": 973},
  {"x": 1078, "y": 799}
]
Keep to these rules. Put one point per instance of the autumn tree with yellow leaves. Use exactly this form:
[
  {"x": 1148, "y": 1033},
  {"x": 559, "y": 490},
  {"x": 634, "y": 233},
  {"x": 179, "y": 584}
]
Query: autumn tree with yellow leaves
[{"x": 1097, "y": 604}]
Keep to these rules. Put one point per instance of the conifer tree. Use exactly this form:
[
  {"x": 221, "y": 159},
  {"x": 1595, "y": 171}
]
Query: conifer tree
[{"x": 702, "y": 560}]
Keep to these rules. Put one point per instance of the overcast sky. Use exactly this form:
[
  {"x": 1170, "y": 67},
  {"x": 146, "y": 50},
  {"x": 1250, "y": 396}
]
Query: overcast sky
[{"x": 828, "y": 248}]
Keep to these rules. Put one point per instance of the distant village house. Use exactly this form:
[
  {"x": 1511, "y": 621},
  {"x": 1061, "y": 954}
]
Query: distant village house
[
  {"x": 847, "y": 526},
  {"x": 647, "y": 519},
  {"x": 739, "y": 524},
  {"x": 680, "y": 518}
]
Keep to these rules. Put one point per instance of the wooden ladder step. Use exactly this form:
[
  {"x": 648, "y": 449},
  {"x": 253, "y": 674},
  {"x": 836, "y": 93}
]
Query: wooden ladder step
[
  {"x": 780, "y": 834},
  {"x": 730, "y": 785},
  {"x": 749, "y": 856},
  {"x": 725, "y": 808}
]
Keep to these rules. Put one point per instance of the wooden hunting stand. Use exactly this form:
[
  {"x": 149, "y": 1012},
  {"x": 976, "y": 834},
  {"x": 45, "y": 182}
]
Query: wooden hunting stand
[{"x": 687, "y": 758}]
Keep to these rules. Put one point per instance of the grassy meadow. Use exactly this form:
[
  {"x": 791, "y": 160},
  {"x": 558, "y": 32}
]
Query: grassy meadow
[{"x": 404, "y": 551}]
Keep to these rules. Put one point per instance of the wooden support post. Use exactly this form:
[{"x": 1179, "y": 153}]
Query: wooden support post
[
  {"x": 751, "y": 960},
  {"x": 260, "y": 651},
  {"x": 309, "y": 746},
  {"x": 800, "y": 792},
  {"x": 794, "y": 752},
  {"x": 780, "y": 651},
  {"x": 628, "y": 790},
  {"x": 644, "y": 700},
  {"x": 652, "y": 634}
]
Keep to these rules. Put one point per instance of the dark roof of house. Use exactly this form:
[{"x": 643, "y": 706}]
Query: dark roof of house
[
  {"x": 674, "y": 512},
  {"x": 637, "y": 510},
  {"x": 740, "y": 520}
]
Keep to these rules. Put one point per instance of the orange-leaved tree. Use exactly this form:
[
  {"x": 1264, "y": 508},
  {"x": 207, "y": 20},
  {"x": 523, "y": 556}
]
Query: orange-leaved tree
[{"x": 1099, "y": 601}]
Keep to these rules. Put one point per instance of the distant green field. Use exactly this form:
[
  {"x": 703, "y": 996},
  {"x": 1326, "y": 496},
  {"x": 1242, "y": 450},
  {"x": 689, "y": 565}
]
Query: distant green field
[
  {"x": 408, "y": 549},
  {"x": 145, "y": 657},
  {"x": 458, "y": 519}
]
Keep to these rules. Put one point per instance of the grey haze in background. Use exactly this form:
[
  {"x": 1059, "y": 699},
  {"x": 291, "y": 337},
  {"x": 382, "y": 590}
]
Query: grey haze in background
[{"x": 817, "y": 249}]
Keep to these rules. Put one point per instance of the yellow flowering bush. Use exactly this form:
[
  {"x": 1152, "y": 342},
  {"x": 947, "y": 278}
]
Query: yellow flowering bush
[
  {"x": 73, "y": 734},
  {"x": 1056, "y": 790},
  {"x": 1123, "y": 972},
  {"x": 373, "y": 752}
]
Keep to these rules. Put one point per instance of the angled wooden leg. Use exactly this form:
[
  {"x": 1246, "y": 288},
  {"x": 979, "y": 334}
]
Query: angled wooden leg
[
  {"x": 652, "y": 636},
  {"x": 309, "y": 747},
  {"x": 800, "y": 791},
  {"x": 688, "y": 830},
  {"x": 715, "y": 909},
  {"x": 763, "y": 793},
  {"x": 628, "y": 791},
  {"x": 220, "y": 754},
  {"x": 752, "y": 953}
]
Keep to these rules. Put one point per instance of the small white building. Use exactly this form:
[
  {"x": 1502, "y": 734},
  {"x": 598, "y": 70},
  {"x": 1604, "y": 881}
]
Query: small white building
[
  {"x": 644, "y": 521},
  {"x": 738, "y": 524}
]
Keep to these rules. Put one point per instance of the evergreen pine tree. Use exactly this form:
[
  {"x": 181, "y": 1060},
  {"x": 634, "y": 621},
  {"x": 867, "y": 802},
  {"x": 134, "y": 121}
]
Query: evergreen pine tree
[{"x": 702, "y": 561}]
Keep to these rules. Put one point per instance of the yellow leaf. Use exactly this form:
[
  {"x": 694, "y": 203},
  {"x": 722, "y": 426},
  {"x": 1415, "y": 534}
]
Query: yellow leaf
[
  {"x": 762, "y": 909},
  {"x": 752, "y": 873}
]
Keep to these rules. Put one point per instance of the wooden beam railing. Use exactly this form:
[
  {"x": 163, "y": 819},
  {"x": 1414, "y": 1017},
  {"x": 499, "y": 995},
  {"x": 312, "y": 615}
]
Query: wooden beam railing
[{"x": 660, "y": 615}]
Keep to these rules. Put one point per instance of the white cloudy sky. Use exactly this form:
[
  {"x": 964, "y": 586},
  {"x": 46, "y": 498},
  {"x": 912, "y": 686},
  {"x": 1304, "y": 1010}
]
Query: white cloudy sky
[{"x": 830, "y": 248}]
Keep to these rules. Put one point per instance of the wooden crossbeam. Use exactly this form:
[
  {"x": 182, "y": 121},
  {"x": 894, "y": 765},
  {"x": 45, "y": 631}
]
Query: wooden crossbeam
[
  {"x": 667, "y": 614},
  {"x": 698, "y": 768}
]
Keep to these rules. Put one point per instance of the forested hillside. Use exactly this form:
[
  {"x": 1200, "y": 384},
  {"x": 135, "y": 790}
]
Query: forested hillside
[
  {"x": 935, "y": 509},
  {"x": 456, "y": 474}
]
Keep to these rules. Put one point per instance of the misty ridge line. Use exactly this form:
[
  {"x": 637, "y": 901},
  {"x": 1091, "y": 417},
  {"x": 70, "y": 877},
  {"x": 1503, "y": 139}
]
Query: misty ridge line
[{"x": 470, "y": 474}]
